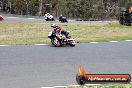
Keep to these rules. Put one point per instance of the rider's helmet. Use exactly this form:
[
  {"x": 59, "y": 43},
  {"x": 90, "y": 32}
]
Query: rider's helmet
[
  {"x": 58, "y": 29},
  {"x": 61, "y": 15},
  {"x": 47, "y": 14},
  {"x": 53, "y": 25}
]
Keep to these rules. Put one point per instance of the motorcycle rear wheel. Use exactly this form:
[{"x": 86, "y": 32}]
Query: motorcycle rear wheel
[
  {"x": 72, "y": 43},
  {"x": 55, "y": 42}
]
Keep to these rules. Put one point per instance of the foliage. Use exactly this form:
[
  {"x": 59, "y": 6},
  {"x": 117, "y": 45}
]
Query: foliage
[{"x": 84, "y": 9}]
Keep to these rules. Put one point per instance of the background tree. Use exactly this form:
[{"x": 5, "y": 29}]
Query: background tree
[{"x": 84, "y": 9}]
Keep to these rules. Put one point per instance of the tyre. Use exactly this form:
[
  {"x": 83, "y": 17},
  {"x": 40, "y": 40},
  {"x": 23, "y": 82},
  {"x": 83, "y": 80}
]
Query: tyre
[
  {"x": 47, "y": 19},
  {"x": 127, "y": 19},
  {"x": 121, "y": 21},
  {"x": 66, "y": 21},
  {"x": 128, "y": 24},
  {"x": 72, "y": 43},
  {"x": 55, "y": 42},
  {"x": 63, "y": 20},
  {"x": 52, "y": 19}
]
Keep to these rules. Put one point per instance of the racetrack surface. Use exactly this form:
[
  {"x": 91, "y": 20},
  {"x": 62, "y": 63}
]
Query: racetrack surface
[
  {"x": 32, "y": 66},
  {"x": 20, "y": 18}
]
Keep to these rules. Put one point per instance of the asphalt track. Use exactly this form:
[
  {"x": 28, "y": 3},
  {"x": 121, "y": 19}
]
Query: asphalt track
[
  {"x": 23, "y": 19},
  {"x": 20, "y": 18},
  {"x": 36, "y": 66}
]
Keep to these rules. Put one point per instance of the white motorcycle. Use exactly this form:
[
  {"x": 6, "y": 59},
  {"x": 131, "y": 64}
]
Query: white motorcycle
[{"x": 49, "y": 17}]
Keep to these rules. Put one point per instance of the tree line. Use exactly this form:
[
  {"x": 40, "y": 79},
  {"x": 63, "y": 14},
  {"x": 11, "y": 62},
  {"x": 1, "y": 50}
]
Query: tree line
[{"x": 84, "y": 9}]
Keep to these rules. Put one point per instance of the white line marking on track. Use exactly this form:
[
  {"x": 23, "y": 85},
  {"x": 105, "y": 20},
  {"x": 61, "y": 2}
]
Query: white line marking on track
[
  {"x": 114, "y": 41},
  {"x": 93, "y": 84},
  {"x": 55, "y": 87},
  {"x": 73, "y": 86},
  {"x": 47, "y": 87},
  {"x": 90, "y": 42},
  {"x": 60, "y": 86},
  {"x": 128, "y": 40},
  {"x": 40, "y": 44},
  {"x": 86, "y": 85},
  {"x": 4, "y": 45},
  {"x": 93, "y": 42}
]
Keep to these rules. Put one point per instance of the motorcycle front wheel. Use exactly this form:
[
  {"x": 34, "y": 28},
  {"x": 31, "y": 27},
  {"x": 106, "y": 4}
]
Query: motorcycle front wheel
[{"x": 72, "y": 43}]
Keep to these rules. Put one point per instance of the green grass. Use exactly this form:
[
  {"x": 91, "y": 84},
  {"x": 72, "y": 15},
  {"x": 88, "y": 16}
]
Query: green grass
[{"x": 36, "y": 33}]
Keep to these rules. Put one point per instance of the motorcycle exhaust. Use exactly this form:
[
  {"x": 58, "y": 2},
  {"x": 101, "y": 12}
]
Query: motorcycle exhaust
[{"x": 83, "y": 78}]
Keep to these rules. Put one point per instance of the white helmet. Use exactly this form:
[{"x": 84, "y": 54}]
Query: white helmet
[{"x": 53, "y": 25}]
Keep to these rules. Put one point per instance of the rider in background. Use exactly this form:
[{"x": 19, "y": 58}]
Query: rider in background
[
  {"x": 48, "y": 16},
  {"x": 61, "y": 16}
]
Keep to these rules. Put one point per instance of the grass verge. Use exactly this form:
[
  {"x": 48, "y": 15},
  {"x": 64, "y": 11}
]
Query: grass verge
[{"x": 13, "y": 33}]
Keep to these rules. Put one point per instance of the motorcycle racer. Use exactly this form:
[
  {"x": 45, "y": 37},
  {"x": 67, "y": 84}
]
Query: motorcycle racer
[
  {"x": 48, "y": 17},
  {"x": 56, "y": 29}
]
